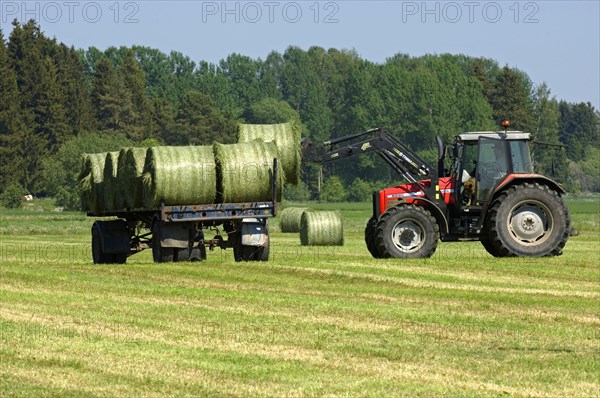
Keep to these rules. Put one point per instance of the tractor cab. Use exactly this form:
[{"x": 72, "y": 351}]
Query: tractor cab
[{"x": 482, "y": 161}]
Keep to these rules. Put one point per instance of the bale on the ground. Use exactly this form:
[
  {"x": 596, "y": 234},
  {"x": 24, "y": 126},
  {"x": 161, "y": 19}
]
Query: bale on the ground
[
  {"x": 131, "y": 170},
  {"x": 321, "y": 228},
  {"x": 287, "y": 138},
  {"x": 290, "y": 218},
  {"x": 91, "y": 182},
  {"x": 245, "y": 172},
  {"x": 112, "y": 187},
  {"x": 183, "y": 175}
]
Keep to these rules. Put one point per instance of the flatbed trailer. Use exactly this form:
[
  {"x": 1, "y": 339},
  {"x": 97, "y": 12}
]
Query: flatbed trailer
[{"x": 184, "y": 232}]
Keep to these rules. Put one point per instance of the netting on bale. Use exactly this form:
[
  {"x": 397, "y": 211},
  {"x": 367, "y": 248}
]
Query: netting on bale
[
  {"x": 321, "y": 228},
  {"x": 111, "y": 186},
  {"x": 245, "y": 172},
  {"x": 131, "y": 170},
  {"x": 287, "y": 139},
  {"x": 183, "y": 175},
  {"x": 91, "y": 182},
  {"x": 290, "y": 218}
]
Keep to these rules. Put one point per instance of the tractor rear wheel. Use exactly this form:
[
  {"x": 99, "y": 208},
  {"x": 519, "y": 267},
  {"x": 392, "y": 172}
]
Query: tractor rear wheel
[
  {"x": 370, "y": 238},
  {"x": 528, "y": 220},
  {"x": 407, "y": 232},
  {"x": 488, "y": 246}
]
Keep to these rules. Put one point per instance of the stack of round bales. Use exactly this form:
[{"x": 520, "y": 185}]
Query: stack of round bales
[
  {"x": 245, "y": 172},
  {"x": 290, "y": 218},
  {"x": 321, "y": 228},
  {"x": 286, "y": 137},
  {"x": 91, "y": 182},
  {"x": 182, "y": 175}
]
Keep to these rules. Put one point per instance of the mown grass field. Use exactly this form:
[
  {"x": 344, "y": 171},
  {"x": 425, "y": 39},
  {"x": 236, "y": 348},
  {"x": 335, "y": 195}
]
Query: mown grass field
[{"x": 311, "y": 322}]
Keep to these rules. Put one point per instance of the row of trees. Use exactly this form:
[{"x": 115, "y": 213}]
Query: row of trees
[{"x": 52, "y": 94}]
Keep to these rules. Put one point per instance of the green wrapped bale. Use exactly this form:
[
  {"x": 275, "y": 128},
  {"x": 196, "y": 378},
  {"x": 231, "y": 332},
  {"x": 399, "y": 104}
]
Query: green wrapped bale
[
  {"x": 321, "y": 228},
  {"x": 290, "y": 218},
  {"x": 91, "y": 182},
  {"x": 183, "y": 175},
  {"x": 286, "y": 137},
  {"x": 130, "y": 174},
  {"x": 113, "y": 188},
  {"x": 245, "y": 172}
]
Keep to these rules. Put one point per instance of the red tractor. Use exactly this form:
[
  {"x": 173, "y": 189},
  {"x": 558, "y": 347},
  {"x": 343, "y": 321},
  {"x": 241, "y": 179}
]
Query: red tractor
[{"x": 488, "y": 194}]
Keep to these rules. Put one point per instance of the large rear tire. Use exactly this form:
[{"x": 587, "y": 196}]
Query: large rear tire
[
  {"x": 370, "y": 238},
  {"x": 528, "y": 220},
  {"x": 488, "y": 246},
  {"x": 407, "y": 232}
]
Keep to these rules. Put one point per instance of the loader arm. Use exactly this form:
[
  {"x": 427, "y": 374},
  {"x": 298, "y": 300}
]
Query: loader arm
[{"x": 401, "y": 159}]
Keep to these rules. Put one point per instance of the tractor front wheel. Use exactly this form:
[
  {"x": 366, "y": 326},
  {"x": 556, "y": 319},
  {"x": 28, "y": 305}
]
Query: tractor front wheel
[
  {"x": 528, "y": 220},
  {"x": 407, "y": 232}
]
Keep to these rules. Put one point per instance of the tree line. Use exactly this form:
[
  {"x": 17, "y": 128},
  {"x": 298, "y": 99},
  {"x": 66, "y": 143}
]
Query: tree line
[{"x": 57, "y": 101}]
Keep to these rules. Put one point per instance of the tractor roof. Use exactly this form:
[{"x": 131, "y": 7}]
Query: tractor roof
[{"x": 501, "y": 135}]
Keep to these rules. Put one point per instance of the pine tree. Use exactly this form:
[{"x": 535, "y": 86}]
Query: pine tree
[
  {"x": 72, "y": 78},
  {"x": 161, "y": 117},
  {"x": 11, "y": 126},
  {"x": 134, "y": 83},
  {"x": 42, "y": 101},
  {"x": 512, "y": 99},
  {"x": 105, "y": 96},
  {"x": 550, "y": 161},
  {"x": 200, "y": 122},
  {"x": 49, "y": 110}
]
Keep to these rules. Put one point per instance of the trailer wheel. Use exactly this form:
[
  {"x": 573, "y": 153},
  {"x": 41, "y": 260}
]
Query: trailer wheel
[
  {"x": 370, "y": 238},
  {"x": 529, "y": 220},
  {"x": 257, "y": 253},
  {"x": 98, "y": 254},
  {"x": 160, "y": 254},
  {"x": 181, "y": 254},
  {"x": 407, "y": 232}
]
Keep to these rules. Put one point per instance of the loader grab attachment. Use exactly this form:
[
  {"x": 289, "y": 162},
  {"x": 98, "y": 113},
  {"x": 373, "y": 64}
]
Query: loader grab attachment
[{"x": 400, "y": 158}]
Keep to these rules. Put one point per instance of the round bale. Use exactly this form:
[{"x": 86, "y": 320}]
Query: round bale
[
  {"x": 131, "y": 170},
  {"x": 286, "y": 137},
  {"x": 291, "y": 218},
  {"x": 183, "y": 175},
  {"x": 112, "y": 186},
  {"x": 245, "y": 172},
  {"x": 91, "y": 181},
  {"x": 321, "y": 228}
]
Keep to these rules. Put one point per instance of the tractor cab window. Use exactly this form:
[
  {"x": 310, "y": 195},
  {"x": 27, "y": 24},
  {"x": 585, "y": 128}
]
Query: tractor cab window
[
  {"x": 521, "y": 160},
  {"x": 470, "y": 158},
  {"x": 492, "y": 166}
]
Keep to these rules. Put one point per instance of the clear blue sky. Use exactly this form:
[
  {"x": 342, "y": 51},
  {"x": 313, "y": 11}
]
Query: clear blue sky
[{"x": 557, "y": 42}]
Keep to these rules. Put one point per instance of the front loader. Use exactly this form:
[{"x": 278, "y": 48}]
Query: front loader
[{"x": 489, "y": 193}]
